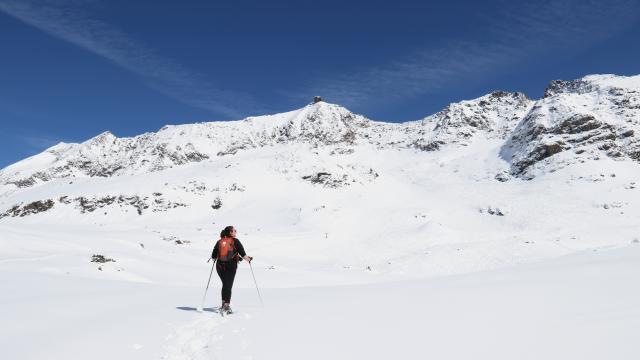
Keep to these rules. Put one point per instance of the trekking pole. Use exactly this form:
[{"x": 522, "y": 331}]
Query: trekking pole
[
  {"x": 207, "y": 288},
  {"x": 255, "y": 282}
]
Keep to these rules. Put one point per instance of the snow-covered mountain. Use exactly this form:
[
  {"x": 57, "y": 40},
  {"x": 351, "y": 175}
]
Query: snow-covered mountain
[
  {"x": 323, "y": 197},
  {"x": 315, "y": 125},
  {"x": 324, "y": 147},
  {"x": 323, "y": 170},
  {"x": 594, "y": 116}
]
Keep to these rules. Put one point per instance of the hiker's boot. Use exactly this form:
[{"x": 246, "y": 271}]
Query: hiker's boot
[{"x": 227, "y": 308}]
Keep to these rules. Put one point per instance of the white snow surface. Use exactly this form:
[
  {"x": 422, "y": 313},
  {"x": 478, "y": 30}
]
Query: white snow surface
[{"x": 371, "y": 240}]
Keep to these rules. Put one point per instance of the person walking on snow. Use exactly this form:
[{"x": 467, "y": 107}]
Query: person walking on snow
[{"x": 228, "y": 251}]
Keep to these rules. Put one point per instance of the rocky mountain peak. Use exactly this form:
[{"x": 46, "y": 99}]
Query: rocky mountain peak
[
  {"x": 324, "y": 123},
  {"x": 579, "y": 120},
  {"x": 102, "y": 139}
]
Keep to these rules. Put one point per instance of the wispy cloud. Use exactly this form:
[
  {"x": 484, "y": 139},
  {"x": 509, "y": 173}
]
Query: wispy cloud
[
  {"x": 71, "y": 21},
  {"x": 39, "y": 142},
  {"x": 515, "y": 35},
  {"x": 13, "y": 132}
]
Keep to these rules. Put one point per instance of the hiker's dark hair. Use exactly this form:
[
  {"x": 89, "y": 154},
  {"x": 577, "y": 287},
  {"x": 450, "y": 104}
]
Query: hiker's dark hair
[{"x": 226, "y": 232}]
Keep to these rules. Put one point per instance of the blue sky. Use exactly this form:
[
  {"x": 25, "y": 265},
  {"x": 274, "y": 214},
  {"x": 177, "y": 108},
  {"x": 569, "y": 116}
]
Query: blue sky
[{"x": 71, "y": 69}]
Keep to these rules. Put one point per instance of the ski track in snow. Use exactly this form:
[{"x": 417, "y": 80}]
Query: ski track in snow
[
  {"x": 27, "y": 259},
  {"x": 194, "y": 340},
  {"x": 203, "y": 338}
]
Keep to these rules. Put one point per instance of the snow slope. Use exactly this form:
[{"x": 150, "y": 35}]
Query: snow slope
[{"x": 583, "y": 306}]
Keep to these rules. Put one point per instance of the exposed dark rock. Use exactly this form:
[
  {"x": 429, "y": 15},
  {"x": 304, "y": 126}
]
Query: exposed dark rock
[
  {"x": 576, "y": 124},
  {"x": 31, "y": 180},
  {"x": 503, "y": 94},
  {"x": 493, "y": 211},
  {"x": 546, "y": 150},
  {"x": 627, "y": 133},
  {"x": 609, "y": 135},
  {"x": 23, "y": 183},
  {"x": 635, "y": 154},
  {"x": 318, "y": 178},
  {"x": 561, "y": 86},
  {"x": 64, "y": 200},
  {"x": 541, "y": 152},
  {"x": 97, "y": 258},
  {"x": 217, "y": 203},
  {"x": 196, "y": 156},
  {"x": 430, "y": 146},
  {"x": 606, "y": 146},
  {"x": 236, "y": 187},
  {"x": 231, "y": 151},
  {"x": 91, "y": 204},
  {"x": 328, "y": 180},
  {"x": 342, "y": 151},
  {"x": 349, "y": 136},
  {"x": 502, "y": 177},
  {"x": 13, "y": 211},
  {"x": 535, "y": 131},
  {"x": 104, "y": 171},
  {"x": 29, "y": 209}
]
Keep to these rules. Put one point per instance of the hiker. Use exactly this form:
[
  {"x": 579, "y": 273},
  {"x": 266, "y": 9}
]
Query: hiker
[{"x": 228, "y": 251}]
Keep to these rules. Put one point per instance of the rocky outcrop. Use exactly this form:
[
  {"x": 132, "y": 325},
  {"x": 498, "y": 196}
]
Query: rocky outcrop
[
  {"x": 583, "y": 119},
  {"x": 89, "y": 204},
  {"x": 556, "y": 87},
  {"x": 98, "y": 258},
  {"x": 31, "y": 208},
  {"x": 333, "y": 180}
]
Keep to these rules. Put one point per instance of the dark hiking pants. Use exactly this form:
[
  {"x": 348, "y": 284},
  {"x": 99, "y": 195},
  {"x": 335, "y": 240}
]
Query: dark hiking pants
[{"x": 227, "y": 272}]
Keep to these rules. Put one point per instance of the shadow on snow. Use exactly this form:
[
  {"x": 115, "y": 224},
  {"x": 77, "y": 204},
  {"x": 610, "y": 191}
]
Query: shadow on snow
[{"x": 188, "y": 308}]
